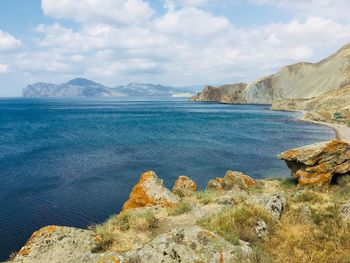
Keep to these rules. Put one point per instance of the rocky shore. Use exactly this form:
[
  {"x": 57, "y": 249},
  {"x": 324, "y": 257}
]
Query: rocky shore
[{"x": 305, "y": 218}]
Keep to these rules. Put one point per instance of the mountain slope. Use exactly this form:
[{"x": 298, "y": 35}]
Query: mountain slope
[
  {"x": 301, "y": 80},
  {"x": 74, "y": 88},
  {"x": 86, "y": 88},
  {"x": 333, "y": 106},
  {"x": 146, "y": 89}
]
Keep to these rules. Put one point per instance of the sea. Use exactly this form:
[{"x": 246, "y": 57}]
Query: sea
[{"x": 73, "y": 162}]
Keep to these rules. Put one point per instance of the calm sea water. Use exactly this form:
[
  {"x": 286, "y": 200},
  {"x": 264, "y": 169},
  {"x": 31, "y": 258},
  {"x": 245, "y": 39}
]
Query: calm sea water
[{"x": 74, "y": 162}]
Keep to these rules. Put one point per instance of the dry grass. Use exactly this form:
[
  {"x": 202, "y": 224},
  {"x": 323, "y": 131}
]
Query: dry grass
[
  {"x": 206, "y": 197},
  {"x": 111, "y": 231},
  {"x": 182, "y": 208},
  {"x": 236, "y": 223},
  {"x": 309, "y": 196},
  {"x": 325, "y": 240}
]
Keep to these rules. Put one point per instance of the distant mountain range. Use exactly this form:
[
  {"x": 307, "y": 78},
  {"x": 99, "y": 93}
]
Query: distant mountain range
[{"x": 80, "y": 87}]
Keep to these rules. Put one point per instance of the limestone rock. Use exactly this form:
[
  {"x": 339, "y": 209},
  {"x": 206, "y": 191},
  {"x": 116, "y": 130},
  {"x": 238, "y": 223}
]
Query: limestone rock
[
  {"x": 150, "y": 191},
  {"x": 184, "y": 186},
  {"x": 234, "y": 196},
  {"x": 226, "y": 93},
  {"x": 305, "y": 214},
  {"x": 345, "y": 212},
  {"x": 230, "y": 180},
  {"x": 192, "y": 244},
  {"x": 274, "y": 203},
  {"x": 57, "y": 244},
  {"x": 316, "y": 164},
  {"x": 261, "y": 229}
]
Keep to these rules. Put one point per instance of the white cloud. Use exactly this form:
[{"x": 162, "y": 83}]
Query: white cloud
[
  {"x": 335, "y": 9},
  {"x": 191, "y": 21},
  {"x": 4, "y": 68},
  {"x": 8, "y": 42},
  {"x": 121, "y": 11}
]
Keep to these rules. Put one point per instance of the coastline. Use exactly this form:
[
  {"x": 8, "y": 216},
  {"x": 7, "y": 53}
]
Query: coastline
[{"x": 342, "y": 132}]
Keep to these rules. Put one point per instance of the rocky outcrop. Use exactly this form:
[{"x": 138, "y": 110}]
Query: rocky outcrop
[
  {"x": 319, "y": 163},
  {"x": 57, "y": 244},
  {"x": 189, "y": 245},
  {"x": 332, "y": 106},
  {"x": 226, "y": 94},
  {"x": 230, "y": 180},
  {"x": 297, "y": 81},
  {"x": 150, "y": 191},
  {"x": 184, "y": 186},
  {"x": 274, "y": 203}
]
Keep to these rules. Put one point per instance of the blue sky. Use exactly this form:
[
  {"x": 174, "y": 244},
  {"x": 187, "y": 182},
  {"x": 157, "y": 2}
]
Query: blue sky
[{"x": 184, "y": 42}]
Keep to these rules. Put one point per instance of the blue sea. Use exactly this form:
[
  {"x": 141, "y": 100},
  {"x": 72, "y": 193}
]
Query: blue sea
[{"x": 73, "y": 162}]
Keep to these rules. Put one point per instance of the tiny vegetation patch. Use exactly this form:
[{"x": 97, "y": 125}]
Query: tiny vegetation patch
[{"x": 182, "y": 208}]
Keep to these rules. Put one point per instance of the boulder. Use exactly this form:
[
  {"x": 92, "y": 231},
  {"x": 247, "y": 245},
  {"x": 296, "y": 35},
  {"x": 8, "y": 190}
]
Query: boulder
[
  {"x": 234, "y": 196},
  {"x": 150, "y": 191},
  {"x": 58, "y": 244},
  {"x": 274, "y": 203},
  {"x": 319, "y": 163},
  {"x": 344, "y": 211},
  {"x": 261, "y": 229},
  {"x": 230, "y": 180},
  {"x": 192, "y": 244},
  {"x": 184, "y": 186}
]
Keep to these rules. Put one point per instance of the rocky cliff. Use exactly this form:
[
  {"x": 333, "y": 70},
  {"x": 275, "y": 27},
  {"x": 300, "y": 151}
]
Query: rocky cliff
[
  {"x": 226, "y": 94},
  {"x": 236, "y": 219},
  {"x": 301, "y": 80}
]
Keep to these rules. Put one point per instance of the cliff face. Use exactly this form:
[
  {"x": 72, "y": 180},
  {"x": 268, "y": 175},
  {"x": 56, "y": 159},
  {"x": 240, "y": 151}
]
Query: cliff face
[
  {"x": 301, "y": 80},
  {"x": 226, "y": 93},
  {"x": 332, "y": 106}
]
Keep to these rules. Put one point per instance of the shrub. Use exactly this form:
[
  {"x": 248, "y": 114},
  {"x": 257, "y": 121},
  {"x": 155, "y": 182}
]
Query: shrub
[
  {"x": 308, "y": 196},
  {"x": 206, "y": 197},
  {"x": 181, "y": 208},
  {"x": 326, "y": 241},
  {"x": 287, "y": 183},
  {"x": 342, "y": 190},
  {"x": 238, "y": 223}
]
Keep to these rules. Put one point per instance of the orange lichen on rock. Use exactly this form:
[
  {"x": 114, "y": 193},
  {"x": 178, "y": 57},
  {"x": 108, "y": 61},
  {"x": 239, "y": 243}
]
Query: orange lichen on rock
[
  {"x": 230, "y": 180},
  {"x": 316, "y": 164},
  {"x": 184, "y": 186},
  {"x": 216, "y": 184},
  {"x": 150, "y": 191}
]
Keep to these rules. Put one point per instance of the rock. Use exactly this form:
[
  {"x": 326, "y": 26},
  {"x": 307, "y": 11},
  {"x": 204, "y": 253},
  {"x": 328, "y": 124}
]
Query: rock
[
  {"x": 216, "y": 184},
  {"x": 261, "y": 229},
  {"x": 344, "y": 211},
  {"x": 234, "y": 196},
  {"x": 305, "y": 214},
  {"x": 192, "y": 244},
  {"x": 230, "y": 180},
  {"x": 57, "y": 244},
  {"x": 226, "y": 93},
  {"x": 274, "y": 203},
  {"x": 318, "y": 163},
  {"x": 150, "y": 191},
  {"x": 184, "y": 186}
]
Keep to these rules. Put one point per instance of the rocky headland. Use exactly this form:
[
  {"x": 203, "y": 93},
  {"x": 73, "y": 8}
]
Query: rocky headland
[{"x": 305, "y": 218}]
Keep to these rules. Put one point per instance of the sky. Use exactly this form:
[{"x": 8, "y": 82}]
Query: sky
[{"x": 179, "y": 43}]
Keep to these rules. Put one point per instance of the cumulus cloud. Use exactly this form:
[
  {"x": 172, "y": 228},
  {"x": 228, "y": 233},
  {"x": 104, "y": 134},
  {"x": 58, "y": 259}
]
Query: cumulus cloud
[
  {"x": 338, "y": 10},
  {"x": 186, "y": 43},
  {"x": 8, "y": 42},
  {"x": 121, "y": 11}
]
